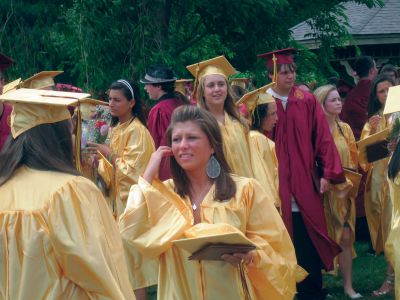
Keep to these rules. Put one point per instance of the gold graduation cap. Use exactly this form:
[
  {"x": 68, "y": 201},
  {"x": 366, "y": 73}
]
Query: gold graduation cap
[
  {"x": 218, "y": 65},
  {"x": 256, "y": 97},
  {"x": 41, "y": 80},
  {"x": 180, "y": 85},
  {"x": 374, "y": 147},
  {"x": 35, "y": 107},
  {"x": 212, "y": 234},
  {"x": 13, "y": 85},
  {"x": 242, "y": 82},
  {"x": 393, "y": 100}
]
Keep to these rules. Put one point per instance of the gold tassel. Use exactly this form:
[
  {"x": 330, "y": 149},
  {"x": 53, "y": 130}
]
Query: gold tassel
[
  {"x": 242, "y": 271},
  {"x": 275, "y": 69},
  {"x": 78, "y": 139}
]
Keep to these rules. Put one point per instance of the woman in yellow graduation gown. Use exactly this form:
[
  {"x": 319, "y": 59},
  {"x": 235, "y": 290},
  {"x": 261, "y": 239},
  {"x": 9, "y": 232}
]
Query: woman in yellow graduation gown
[
  {"x": 58, "y": 238},
  {"x": 263, "y": 117},
  {"x": 131, "y": 146},
  {"x": 339, "y": 203},
  {"x": 203, "y": 198},
  {"x": 392, "y": 247},
  {"x": 378, "y": 205}
]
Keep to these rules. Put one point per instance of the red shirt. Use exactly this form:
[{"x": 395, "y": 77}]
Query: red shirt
[
  {"x": 355, "y": 107},
  {"x": 157, "y": 123}
]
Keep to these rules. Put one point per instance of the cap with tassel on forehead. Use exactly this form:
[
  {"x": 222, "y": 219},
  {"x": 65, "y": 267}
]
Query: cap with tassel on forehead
[
  {"x": 257, "y": 97},
  {"x": 32, "y": 108},
  {"x": 278, "y": 57},
  {"x": 215, "y": 66}
]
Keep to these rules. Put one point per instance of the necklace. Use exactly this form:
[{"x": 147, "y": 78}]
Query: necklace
[{"x": 202, "y": 194}]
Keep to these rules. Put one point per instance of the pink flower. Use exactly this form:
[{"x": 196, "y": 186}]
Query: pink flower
[{"x": 104, "y": 129}]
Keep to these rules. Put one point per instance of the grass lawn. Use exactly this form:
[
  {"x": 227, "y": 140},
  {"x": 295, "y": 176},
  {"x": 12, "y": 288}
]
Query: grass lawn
[{"x": 368, "y": 275}]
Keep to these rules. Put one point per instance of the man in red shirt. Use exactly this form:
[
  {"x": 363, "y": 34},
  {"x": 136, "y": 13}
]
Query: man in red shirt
[
  {"x": 5, "y": 109},
  {"x": 355, "y": 107},
  {"x": 302, "y": 139},
  {"x": 159, "y": 83}
]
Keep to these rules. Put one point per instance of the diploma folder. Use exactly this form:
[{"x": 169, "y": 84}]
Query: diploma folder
[
  {"x": 374, "y": 147},
  {"x": 213, "y": 247}
]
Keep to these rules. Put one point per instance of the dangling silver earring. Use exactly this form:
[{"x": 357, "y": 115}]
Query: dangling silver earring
[{"x": 213, "y": 168}]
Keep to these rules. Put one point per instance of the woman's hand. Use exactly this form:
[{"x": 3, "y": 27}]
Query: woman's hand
[
  {"x": 104, "y": 149},
  {"x": 236, "y": 258},
  {"x": 324, "y": 185},
  {"x": 153, "y": 166},
  {"x": 374, "y": 122}
]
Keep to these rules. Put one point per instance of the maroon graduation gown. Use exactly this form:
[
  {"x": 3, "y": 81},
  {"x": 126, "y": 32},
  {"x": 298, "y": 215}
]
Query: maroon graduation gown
[
  {"x": 302, "y": 137},
  {"x": 157, "y": 123},
  {"x": 355, "y": 108}
]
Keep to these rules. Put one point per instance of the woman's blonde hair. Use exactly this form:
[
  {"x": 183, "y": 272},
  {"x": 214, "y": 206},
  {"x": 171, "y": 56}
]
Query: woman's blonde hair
[
  {"x": 229, "y": 104},
  {"x": 322, "y": 93}
]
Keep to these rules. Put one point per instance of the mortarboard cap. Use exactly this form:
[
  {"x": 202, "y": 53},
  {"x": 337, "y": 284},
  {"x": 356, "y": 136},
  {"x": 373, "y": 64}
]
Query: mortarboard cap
[
  {"x": 41, "y": 80},
  {"x": 217, "y": 65},
  {"x": 242, "y": 82},
  {"x": 13, "y": 85},
  {"x": 256, "y": 97},
  {"x": 283, "y": 56},
  {"x": 5, "y": 62},
  {"x": 35, "y": 107},
  {"x": 393, "y": 100},
  {"x": 180, "y": 85}
]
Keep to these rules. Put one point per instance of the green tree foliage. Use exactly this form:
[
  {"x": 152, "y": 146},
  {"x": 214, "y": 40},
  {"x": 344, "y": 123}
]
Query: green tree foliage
[{"x": 98, "y": 41}]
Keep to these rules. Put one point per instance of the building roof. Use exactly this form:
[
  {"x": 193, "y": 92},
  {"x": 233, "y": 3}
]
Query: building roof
[{"x": 368, "y": 26}]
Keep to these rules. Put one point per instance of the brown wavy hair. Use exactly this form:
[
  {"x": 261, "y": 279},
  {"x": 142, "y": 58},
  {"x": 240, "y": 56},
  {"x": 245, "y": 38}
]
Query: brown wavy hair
[{"x": 225, "y": 187}]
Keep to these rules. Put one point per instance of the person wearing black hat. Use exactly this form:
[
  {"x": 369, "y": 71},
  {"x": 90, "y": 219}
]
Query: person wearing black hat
[
  {"x": 159, "y": 83},
  {"x": 5, "y": 109}
]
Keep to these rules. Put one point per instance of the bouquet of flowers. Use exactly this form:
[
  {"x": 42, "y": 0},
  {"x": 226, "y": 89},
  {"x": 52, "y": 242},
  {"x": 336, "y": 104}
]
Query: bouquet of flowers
[{"x": 95, "y": 125}]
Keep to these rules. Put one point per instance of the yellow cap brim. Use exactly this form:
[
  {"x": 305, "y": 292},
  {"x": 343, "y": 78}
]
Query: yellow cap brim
[
  {"x": 13, "y": 85},
  {"x": 256, "y": 97},
  {"x": 217, "y": 65},
  {"x": 41, "y": 80}
]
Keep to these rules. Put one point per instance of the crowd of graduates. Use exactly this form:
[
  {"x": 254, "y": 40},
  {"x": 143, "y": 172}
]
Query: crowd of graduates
[{"x": 219, "y": 191}]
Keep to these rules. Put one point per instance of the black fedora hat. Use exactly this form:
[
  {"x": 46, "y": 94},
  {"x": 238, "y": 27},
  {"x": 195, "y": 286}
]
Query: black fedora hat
[{"x": 158, "y": 74}]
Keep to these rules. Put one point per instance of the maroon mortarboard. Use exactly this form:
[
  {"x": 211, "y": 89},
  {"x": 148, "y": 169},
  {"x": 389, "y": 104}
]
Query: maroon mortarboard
[
  {"x": 5, "y": 62},
  {"x": 283, "y": 56}
]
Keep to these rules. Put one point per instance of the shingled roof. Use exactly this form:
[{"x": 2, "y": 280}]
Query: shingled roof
[{"x": 368, "y": 26}]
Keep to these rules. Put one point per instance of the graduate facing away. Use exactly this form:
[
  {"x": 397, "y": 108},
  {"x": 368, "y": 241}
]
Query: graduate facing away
[{"x": 203, "y": 200}]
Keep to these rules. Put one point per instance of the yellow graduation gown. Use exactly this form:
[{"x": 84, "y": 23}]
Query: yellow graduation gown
[
  {"x": 339, "y": 204},
  {"x": 378, "y": 207},
  {"x": 156, "y": 216},
  {"x": 236, "y": 146},
  {"x": 261, "y": 145},
  {"x": 58, "y": 240},
  {"x": 392, "y": 247},
  {"x": 133, "y": 144}
]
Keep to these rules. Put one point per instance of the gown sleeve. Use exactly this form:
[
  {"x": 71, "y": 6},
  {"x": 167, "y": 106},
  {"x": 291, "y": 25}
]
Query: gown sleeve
[
  {"x": 87, "y": 242},
  {"x": 274, "y": 270},
  {"x": 133, "y": 161},
  {"x": 154, "y": 217}
]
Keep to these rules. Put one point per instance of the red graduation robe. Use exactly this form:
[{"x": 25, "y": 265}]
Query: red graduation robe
[
  {"x": 157, "y": 123},
  {"x": 355, "y": 108},
  {"x": 5, "y": 121},
  {"x": 302, "y": 137}
]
